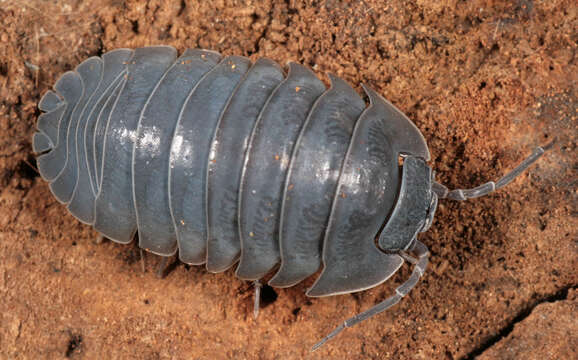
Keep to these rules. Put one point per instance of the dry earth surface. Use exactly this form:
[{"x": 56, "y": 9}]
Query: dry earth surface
[{"x": 486, "y": 81}]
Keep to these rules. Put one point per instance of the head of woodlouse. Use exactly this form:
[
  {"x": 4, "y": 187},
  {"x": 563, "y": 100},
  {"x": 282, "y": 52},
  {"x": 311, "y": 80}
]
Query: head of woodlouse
[
  {"x": 418, "y": 198},
  {"x": 415, "y": 207}
]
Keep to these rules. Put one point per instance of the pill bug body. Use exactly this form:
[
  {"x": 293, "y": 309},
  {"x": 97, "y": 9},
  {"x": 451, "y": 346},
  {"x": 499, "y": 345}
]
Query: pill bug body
[{"x": 226, "y": 161}]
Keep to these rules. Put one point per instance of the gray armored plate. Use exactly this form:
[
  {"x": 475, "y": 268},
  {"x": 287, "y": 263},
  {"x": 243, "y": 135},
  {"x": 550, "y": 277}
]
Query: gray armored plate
[
  {"x": 190, "y": 151},
  {"x": 266, "y": 163},
  {"x": 150, "y": 164},
  {"x": 115, "y": 216},
  {"x": 69, "y": 86},
  {"x": 100, "y": 126},
  {"x": 312, "y": 180},
  {"x": 82, "y": 203},
  {"x": 90, "y": 72},
  {"x": 47, "y": 124},
  {"x": 226, "y": 159}
]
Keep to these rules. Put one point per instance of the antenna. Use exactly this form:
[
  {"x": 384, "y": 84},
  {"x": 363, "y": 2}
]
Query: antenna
[{"x": 463, "y": 194}]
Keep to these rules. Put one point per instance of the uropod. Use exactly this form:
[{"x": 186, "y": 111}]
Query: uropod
[{"x": 228, "y": 162}]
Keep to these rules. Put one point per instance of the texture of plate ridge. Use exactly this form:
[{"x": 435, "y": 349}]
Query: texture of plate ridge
[{"x": 370, "y": 175}]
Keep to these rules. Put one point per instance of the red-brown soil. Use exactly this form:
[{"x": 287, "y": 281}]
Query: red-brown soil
[{"x": 486, "y": 82}]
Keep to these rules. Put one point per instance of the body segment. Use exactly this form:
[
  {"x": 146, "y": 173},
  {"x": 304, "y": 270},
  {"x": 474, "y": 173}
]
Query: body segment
[
  {"x": 150, "y": 164},
  {"x": 311, "y": 181},
  {"x": 115, "y": 215},
  {"x": 190, "y": 152},
  {"x": 265, "y": 168},
  {"x": 226, "y": 158}
]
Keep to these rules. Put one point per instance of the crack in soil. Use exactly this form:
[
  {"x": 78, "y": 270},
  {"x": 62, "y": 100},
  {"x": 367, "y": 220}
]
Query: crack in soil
[{"x": 559, "y": 295}]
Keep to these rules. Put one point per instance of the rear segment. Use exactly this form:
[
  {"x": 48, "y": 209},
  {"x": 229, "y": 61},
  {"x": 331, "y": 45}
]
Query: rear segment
[
  {"x": 61, "y": 138},
  {"x": 90, "y": 72},
  {"x": 54, "y": 124},
  {"x": 82, "y": 203}
]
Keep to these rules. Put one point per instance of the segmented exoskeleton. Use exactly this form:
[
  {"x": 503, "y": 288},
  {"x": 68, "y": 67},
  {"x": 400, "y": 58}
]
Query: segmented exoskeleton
[{"x": 226, "y": 162}]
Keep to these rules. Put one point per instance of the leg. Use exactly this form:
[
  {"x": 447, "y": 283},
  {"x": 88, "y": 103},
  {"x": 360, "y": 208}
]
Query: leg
[
  {"x": 258, "y": 286},
  {"x": 489, "y": 187},
  {"x": 142, "y": 260},
  {"x": 164, "y": 264},
  {"x": 420, "y": 266},
  {"x": 141, "y": 252}
]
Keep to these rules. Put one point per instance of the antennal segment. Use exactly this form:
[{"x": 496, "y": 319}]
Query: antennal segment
[{"x": 463, "y": 194}]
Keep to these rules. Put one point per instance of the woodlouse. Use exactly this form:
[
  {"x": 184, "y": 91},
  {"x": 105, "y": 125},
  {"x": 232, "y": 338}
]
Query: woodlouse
[{"x": 224, "y": 161}]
